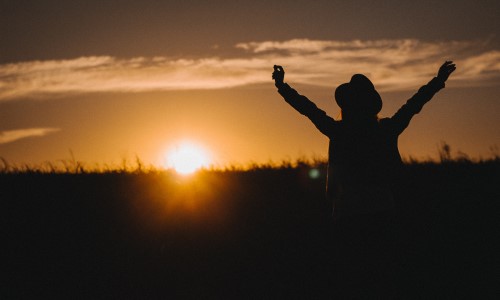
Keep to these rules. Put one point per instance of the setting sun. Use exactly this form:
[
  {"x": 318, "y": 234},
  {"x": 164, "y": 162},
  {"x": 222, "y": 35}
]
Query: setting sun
[{"x": 187, "y": 158}]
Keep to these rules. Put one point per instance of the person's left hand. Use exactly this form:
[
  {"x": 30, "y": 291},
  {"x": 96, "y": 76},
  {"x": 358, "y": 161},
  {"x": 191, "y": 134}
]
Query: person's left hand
[{"x": 278, "y": 74}]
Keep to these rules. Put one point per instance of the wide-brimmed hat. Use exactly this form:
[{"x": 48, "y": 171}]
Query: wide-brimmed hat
[{"x": 358, "y": 95}]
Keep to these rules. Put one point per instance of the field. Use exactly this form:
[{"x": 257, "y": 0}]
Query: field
[{"x": 261, "y": 233}]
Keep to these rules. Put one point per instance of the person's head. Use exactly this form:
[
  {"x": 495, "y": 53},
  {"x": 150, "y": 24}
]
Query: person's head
[{"x": 358, "y": 98}]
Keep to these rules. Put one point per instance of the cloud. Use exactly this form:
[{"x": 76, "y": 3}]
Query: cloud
[
  {"x": 10, "y": 136},
  {"x": 391, "y": 64}
]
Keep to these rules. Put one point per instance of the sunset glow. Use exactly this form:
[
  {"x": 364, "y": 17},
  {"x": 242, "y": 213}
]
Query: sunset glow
[
  {"x": 117, "y": 80},
  {"x": 187, "y": 158}
]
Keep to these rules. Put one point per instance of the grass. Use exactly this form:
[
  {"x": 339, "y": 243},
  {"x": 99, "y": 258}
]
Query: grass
[
  {"x": 137, "y": 166},
  {"x": 133, "y": 231}
]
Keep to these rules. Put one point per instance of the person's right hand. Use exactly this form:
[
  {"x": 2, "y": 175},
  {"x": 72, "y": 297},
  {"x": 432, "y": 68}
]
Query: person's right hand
[
  {"x": 278, "y": 74},
  {"x": 445, "y": 70}
]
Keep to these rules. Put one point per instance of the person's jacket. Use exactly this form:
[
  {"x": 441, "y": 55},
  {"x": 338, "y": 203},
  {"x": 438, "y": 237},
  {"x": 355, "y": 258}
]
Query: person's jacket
[{"x": 363, "y": 158}]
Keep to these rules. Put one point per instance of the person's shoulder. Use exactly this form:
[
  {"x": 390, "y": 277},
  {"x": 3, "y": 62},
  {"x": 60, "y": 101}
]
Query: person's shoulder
[{"x": 384, "y": 121}]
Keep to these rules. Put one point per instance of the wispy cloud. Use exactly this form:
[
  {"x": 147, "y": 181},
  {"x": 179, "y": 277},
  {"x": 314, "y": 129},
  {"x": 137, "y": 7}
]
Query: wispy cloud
[
  {"x": 391, "y": 64},
  {"x": 10, "y": 136}
]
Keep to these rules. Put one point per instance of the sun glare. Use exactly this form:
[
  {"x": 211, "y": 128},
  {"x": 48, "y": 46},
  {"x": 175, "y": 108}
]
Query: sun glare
[{"x": 187, "y": 158}]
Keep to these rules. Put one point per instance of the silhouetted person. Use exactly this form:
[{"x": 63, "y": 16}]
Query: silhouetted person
[{"x": 364, "y": 160}]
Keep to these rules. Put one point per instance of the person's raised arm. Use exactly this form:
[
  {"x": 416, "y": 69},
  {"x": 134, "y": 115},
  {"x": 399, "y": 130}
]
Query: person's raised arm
[
  {"x": 321, "y": 120},
  {"x": 414, "y": 105}
]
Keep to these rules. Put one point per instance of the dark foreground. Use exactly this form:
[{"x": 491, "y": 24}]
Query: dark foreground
[{"x": 236, "y": 235}]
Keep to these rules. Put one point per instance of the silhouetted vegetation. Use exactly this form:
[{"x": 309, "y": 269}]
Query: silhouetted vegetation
[{"x": 137, "y": 232}]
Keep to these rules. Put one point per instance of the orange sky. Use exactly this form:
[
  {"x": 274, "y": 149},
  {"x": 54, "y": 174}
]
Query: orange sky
[{"x": 114, "y": 81}]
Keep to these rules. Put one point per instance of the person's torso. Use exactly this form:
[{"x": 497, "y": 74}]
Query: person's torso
[{"x": 363, "y": 164}]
